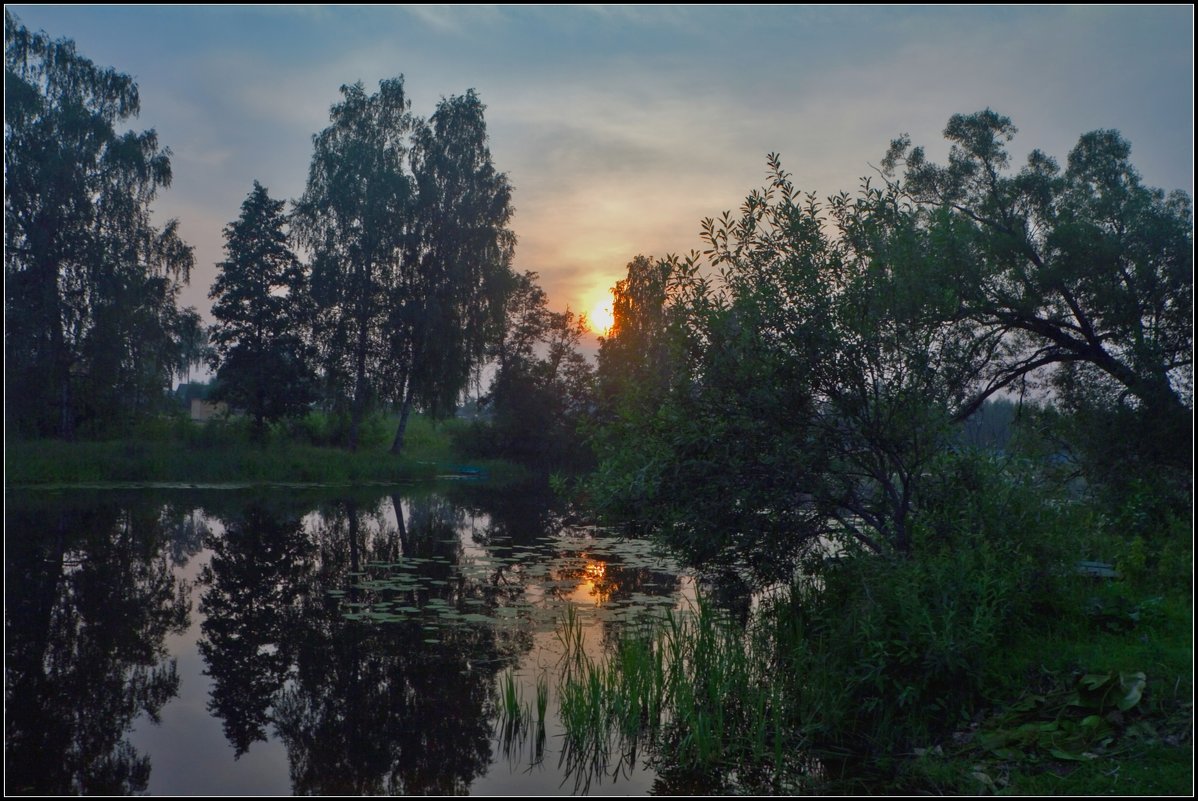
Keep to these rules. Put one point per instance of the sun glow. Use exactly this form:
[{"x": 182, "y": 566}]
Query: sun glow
[{"x": 599, "y": 318}]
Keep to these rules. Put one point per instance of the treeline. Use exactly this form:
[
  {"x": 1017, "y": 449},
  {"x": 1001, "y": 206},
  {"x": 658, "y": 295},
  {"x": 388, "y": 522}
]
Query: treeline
[{"x": 387, "y": 285}]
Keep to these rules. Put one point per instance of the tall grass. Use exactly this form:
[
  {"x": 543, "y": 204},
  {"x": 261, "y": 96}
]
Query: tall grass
[
  {"x": 521, "y": 723},
  {"x": 695, "y": 686}
]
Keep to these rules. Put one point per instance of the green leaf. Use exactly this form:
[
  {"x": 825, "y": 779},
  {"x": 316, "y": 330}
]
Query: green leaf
[
  {"x": 1028, "y": 704},
  {"x": 1096, "y": 681},
  {"x": 1132, "y": 685},
  {"x": 1061, "y": 754}
]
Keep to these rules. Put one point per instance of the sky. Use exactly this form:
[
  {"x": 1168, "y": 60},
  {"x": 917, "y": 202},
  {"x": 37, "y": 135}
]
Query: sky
[{"x": 622, "y": 127}]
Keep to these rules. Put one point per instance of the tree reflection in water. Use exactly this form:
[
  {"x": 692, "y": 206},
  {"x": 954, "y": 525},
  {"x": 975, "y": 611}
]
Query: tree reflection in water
[
  {"x": 363, "y": 634},
  {"x": 362, "y": 708},
  {"x": 89, "y": 598},
  {"x": 253, "y": 588}
]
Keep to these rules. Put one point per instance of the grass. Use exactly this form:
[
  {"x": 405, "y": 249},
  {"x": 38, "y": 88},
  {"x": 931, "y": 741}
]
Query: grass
[
  {"x": 1151, "y": 748},
  {"x": 184, "y": 452}
]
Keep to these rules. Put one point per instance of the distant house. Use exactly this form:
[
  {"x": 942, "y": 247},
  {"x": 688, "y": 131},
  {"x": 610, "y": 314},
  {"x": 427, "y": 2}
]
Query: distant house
[{"x": 202, "y": 410}]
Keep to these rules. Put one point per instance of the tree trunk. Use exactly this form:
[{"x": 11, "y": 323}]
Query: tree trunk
[
  {"x": 404, "y": 544},
  {"x": 404, "y": 413},
  {"x": 358, "y": 408}
]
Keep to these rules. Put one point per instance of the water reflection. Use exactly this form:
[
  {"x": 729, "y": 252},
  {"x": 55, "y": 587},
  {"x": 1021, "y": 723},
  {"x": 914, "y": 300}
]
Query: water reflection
[
  {"x": 253, "y": 590},
  {"x": 395, "y": 708},
  {"x": 89, "y": 598},
  {"x": 363, "y": 634}
]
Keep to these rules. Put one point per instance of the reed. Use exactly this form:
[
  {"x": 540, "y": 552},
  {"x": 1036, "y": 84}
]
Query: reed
[
  {"x": 694, "y": 686},
  {"x": 570, "y": 635},
  {"x": 513, "y": 715},
  {"x": 542, "y": 700}
]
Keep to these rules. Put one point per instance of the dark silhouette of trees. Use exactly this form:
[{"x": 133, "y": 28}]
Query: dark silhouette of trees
[
  {"x": 253, "y": 588},
  {"x": 809, "y": 389},
  {"x": 353, "y": 218},
  {"x": 89, "y": 599},
  {"x": 1084, "y": 269},
  {"x": 543, "y": 389},
  {"x": 407, "y": 226},
  {"x": 261, "y": 356},
  {"x": 92, "y": 329},
  {"x": 360, "y": 707},
  {"x": 448, "y": 304},
  {"x": 634, "y": 357}
]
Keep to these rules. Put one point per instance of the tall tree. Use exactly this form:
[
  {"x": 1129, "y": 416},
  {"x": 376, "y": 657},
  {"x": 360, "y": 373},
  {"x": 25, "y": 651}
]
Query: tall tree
[
  {"x": 354, "y": 218},
  {"x": 810, "y": 383},
  {"x": 1084, "y": 268},
  {"x": 448, "y": 302},
  {"x": 634, "y": 357},
  {"x": 817, "y": 375},
  {"x": 92, "y": 329},
  {"x": 260, "y": 352},
  {"x": 407, "y": 226}
]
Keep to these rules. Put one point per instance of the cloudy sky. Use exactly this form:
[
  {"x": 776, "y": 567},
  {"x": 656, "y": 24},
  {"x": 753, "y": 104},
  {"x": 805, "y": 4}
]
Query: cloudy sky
[{"x": 622, "y": 127}]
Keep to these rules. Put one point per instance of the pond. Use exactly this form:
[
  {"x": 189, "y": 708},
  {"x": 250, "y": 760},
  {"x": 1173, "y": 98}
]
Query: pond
[{"x": 401, "y": 640}]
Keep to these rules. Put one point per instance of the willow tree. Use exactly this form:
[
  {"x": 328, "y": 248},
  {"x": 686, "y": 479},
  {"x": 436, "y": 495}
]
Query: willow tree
[
  {"x": 92, "y": 328},
  {"x": 1081, "y": 268},
  {"x": 1076, "y": 275}
]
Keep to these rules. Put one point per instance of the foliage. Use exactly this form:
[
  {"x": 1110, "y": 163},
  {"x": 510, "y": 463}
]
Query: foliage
[
  {"x": 542, "y": 393},
  {"x": 92, "y": 332},
  {"x": 636, "y": 369},
  {"x": 91, "y": 599},
  {"x": 1085, "y": 270},
  {"x": 1071, "y": 725},
  {"x": 635, "y": 357},
  {"x": 407, "y": 226},
  {"x": 810, "y": 388},
  {"x": 865, "y": 658},
  {"x": 352, "y": 220},
  {"x": 449, "y": 301},
  {"x": 801, "y": 380},
  {"x": 259, "y": 349}
]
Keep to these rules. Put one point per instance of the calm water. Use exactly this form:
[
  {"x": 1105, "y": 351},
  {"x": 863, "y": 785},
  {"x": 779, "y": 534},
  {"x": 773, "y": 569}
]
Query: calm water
[{"x": 301, "y": 641}]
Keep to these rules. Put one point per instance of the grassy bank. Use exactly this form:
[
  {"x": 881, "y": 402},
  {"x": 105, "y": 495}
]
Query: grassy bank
[{"x": 184, "y": 452}]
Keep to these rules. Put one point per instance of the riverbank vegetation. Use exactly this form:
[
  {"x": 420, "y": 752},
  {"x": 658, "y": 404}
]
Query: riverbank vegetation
[
  {"x": 943, "y": 428},
  {"x": 305, "y": 450},
  {"x": 988, "y": 662}
]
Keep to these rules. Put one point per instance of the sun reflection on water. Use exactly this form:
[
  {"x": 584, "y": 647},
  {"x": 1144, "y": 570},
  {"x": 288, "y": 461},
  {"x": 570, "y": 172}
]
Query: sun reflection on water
[{"x": 595, "y": 585}]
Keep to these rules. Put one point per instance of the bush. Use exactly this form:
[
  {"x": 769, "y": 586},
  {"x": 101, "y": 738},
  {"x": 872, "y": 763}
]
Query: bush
[
  {"x": 908, "y": 647},
  {"x": 331, "y": 429}
]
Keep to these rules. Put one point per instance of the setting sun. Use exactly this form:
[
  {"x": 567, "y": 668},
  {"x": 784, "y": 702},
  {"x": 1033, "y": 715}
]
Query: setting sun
[{"x": 599, "y": 318}]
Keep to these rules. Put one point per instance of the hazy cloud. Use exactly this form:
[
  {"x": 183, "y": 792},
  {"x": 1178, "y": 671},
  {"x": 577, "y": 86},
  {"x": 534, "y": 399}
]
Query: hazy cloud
[{"x": 621, "y": 127}]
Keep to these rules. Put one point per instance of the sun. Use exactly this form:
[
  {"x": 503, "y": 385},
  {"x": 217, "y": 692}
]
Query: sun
[{"x": 599, "y": 318}]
